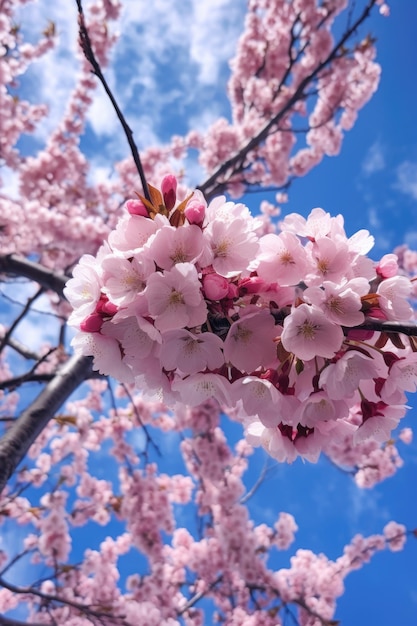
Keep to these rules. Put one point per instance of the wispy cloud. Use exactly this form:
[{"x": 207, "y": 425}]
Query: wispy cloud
[
  {"x": 406, "y": 178},
  {"x": 216, "y": 26},
  {"x": 167, "y": 69},
  {"x": 374, "y": 160},
  {"x": 51, "y": 80}
]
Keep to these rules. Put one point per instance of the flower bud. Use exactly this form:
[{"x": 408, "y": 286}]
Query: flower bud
[
  {"x": 195, "y": 211},
  {"x": 92, "y": 323},
  {"x": 215, "y": 287},
  {"x": 104, "y": 307},
  {"x": 169, "y": 191},
  {"x": 251, "y": 284},
  {"x": 388, "y": 266},
  {"x": 136, "y": 207}
]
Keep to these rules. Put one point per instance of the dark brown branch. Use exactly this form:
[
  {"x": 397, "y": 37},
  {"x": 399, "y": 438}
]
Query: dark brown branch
[
  {"x": 87, "y": 49},
  {"x": 14, "y": 265},
  {"x": 26, "y": 308},
  {"x": 409, "y": 329},
  {"x": 19, "y": 437},
  {"x": 23, "y": 350},
  {"x": 233, "y": 165},
  {"x": 66, "y": 602},
  {"x": 30, "y": 375}
]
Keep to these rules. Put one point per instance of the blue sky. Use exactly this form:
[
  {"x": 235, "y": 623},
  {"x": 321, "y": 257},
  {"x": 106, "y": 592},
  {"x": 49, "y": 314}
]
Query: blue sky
[{"x": 373, "y": 183}]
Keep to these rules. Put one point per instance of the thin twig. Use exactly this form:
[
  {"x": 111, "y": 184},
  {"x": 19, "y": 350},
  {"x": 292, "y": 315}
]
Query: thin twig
[
  {"x": 53, "y": 598},
  {"x": 265, "y": 469},
  {"x": 233, "y": 165},
  {"x": 23, "y": 350},
  {"x": 23, "y": 432},
  {"x": 15, "y": 265},
  {"x": 87, "y": 49},
  {"x": 16, "y": 322},
  {"x": 30, "y": 375}
]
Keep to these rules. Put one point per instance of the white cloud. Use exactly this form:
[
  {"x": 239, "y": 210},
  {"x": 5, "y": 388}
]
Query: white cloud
[
  {"x": 383, "y": 242},
  {"x": 174, "y": 57},
  {"x": 215, "y": 30},
  {"x": 407, "y": 178},
  {"x": 51, "y": 79},
  {"x": 38, "y": 328},
  {"x": 9, "y": 183},
  {"x": 170, "y": 62},
  {"x": 411, "y": 239},
  {"x": 374, "y": 160},
  {"x": 364, "y": 503}
]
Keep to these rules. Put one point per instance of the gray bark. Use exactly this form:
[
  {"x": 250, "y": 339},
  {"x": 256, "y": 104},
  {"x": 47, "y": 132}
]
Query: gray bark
[{"x": 23, "y": 432}]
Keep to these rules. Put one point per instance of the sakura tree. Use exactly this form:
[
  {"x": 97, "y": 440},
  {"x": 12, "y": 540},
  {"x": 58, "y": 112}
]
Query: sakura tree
[{"x": 174, "y": 318}]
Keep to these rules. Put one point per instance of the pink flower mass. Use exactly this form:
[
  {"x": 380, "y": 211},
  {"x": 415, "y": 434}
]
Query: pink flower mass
[
  {"x": 172, "y": 362},
  {"x": 216, "y": 309}
]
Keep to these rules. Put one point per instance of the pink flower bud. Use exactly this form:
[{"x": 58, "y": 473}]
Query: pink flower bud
[
  {"x": 104, "y": 307},
  {"x": 388, "y": 266},
  {"x": 195, "y": 211},
  {"x": 215, "y": 287},
  {"x": 251, "y": 284},
  {"x": 169, "y": 190},
  {"x": 92, "y": 323},
  {"x": 136, "y": 207},
  {"x": 232, "y": 292}
]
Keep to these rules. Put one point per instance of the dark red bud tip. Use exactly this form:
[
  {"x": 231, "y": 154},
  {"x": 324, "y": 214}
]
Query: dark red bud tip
[
  {"x": 169, "y": 191},
  {"x": 92, "y": 323}
]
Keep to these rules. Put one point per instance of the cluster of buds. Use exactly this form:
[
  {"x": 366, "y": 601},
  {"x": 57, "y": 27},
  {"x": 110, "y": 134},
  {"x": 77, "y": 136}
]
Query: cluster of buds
[{"x": 189, "y": 301}]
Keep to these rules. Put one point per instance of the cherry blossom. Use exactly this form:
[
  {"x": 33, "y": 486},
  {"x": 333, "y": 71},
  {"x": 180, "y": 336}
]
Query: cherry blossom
[
  {"x": 308, "y": 333},
  {"x": 197, "y": 309},
  {"x": 175, "y": 298}
]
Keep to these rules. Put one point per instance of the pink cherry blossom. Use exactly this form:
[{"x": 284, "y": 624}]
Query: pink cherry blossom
[
  {"x": 341, "y": 303},
  {"x": 233, "y": 247},
  {"x": 175, "y": 299},
  {"x": 308, "y": 333},
  {"x": 176, "y": 245},
  {"x": 195, "y": 210},
  {"x": 393, "y": 293},
  {"x": 387, "y": 266},
  {"x": 198, "y": 388},
  {"x": 123, "y": 279},
  {"x": 259, "y": 397},
  {"x": 106, "y": 353},
  {"x": 191, "y": 353},
  {"x": 282, "y": 259},
  {"x": 215, "y": 286},
  {"x": 250, "y": 341},
  {"x": 330, "y": 260},
  {"x": 83, "y": 290},
  {"x": 342, "y": 378}
]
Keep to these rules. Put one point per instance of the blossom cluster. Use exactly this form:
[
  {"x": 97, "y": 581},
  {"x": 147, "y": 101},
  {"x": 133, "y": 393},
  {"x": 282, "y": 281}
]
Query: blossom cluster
[{"x": 190, "y": 301}]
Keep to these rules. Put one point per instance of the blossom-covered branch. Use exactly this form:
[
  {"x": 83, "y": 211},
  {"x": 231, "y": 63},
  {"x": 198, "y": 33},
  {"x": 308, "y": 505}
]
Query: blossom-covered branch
[
  {"x": 191, "y": 301},
  {"x": 18, "y": 438},
  {"x": 255, "y": 149}
]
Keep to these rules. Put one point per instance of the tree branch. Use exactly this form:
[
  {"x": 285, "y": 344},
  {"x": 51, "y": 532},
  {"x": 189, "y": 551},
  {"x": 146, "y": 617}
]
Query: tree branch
[
  {"x": 23, "y": 350},
  {"x": 15, "y": 265},
  {"x": 4, "y": 340},
  {"x": 212, "y": 186},
  {"x": 23, "y": 432},
  {"x": 53, "y": 598},
  {"x": 87, "y": 49}
]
